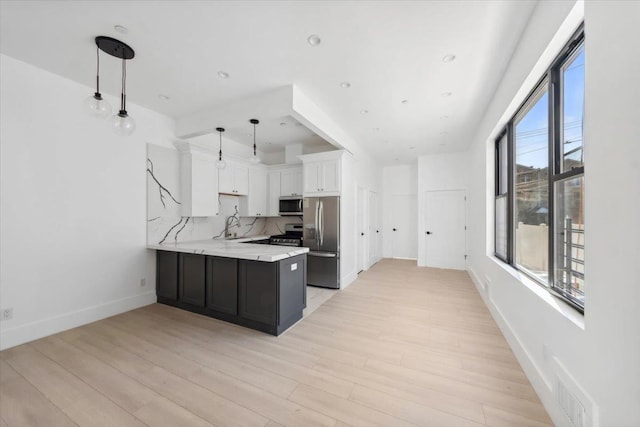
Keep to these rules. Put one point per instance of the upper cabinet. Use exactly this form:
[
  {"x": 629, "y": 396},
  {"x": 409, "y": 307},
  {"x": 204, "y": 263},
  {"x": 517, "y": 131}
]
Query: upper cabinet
[
  {"x": 234, "y": 179},
  {"x": 273, "y": 199},
  {"x": 291, "y": 182},
  {"x": 322, "y": 174},
  {"x": 255, "y": 204},
  {"x": 199, "y": 184}
]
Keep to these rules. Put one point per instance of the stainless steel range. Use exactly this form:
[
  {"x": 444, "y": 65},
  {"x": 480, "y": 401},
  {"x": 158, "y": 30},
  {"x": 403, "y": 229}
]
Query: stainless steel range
[{"x": 291, "y": 237}]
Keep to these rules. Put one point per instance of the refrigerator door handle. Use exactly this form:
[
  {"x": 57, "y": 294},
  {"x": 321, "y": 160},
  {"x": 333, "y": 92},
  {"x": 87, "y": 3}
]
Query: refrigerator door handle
[
  {"x": 317, "y": 224},
  {"x": 321, "y": 223},
  {"x": 322, "y": 254}
]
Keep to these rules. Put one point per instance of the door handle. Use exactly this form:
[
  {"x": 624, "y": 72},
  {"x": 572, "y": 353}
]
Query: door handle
[
  {"x": 322, "y": 254},
  {"x": 428, "y": 232},
  {"x": 362, "y": 234},
  {"x": 377, "y": 231},
  {"x": 394, "y": 229}
]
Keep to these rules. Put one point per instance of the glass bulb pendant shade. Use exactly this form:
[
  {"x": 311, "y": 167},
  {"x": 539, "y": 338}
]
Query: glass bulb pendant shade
[
  {"x": 122, "y": 124},
  {"x": 254, "y": 159},
  {"x": 221, "y": 164},
  {"x": 97, "y": 106}
]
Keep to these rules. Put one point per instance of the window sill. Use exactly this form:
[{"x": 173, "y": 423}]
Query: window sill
[{"x": 565, "y": 309}]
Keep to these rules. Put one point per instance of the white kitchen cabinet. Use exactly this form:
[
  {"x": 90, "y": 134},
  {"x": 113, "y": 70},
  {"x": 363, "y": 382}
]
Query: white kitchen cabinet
[
  {"x": 255, "y": 204},
  {"x": 291, "y": 182},
  {"x": 234, "y": 179},
  {"x": 322, "y": 177},
  {"x": 273, "y": 198},
  {"x": 199, "y": 184}
]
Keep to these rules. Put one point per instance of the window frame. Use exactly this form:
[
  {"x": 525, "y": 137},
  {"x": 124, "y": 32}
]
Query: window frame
[{"x": 552, "y": 78}]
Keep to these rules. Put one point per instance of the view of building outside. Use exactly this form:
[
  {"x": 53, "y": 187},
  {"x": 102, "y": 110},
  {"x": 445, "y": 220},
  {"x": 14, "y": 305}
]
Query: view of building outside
[{"x": 531, "y": 179}]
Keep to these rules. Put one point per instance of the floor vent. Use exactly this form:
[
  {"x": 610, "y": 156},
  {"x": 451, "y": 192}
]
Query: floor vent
[{"x": 570, "y": 405}]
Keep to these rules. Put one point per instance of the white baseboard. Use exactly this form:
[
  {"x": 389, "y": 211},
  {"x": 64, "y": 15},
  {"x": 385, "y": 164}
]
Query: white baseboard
[
  {"x": 348, "y": 279},
  {"x": 52, "y": 325},
  {"x": 539, "y": 381}
]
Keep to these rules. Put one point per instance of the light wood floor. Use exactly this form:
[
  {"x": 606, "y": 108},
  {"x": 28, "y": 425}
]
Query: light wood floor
[{"x": 401, "y": 346}]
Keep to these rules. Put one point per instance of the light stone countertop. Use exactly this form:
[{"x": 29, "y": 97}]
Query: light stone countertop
[{"x": 233, "y": 249}]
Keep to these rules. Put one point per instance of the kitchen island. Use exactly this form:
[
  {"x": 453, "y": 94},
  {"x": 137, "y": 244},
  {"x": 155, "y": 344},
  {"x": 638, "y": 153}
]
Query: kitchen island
[{"x": 262, "y": 287}]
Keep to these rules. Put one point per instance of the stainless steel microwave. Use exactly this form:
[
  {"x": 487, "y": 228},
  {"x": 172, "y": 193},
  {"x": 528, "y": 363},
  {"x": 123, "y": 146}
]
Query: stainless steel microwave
[{"x": 291, "y": 205}]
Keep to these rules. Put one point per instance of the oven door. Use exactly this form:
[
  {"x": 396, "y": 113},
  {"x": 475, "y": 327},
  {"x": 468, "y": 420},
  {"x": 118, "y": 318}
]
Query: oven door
[{"x": 290, "y": 206}]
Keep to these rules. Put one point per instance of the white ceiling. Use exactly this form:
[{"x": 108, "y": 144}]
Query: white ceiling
[{"x": 389, "y": 51}]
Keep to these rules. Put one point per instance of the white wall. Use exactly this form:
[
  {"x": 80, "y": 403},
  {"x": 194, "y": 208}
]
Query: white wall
[
  {"x": 397, "y": 180},
  {"x": 72, "y": 217},
  {"x": 597, "y": 355},
  {"x": 438, "y": 172}
]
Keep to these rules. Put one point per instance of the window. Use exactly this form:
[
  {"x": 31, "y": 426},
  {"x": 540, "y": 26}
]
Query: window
[{"x": 539, "y": 180}]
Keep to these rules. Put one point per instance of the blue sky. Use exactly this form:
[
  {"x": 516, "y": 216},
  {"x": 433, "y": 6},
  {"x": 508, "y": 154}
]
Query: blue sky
[{"x": 532, "y": 130}]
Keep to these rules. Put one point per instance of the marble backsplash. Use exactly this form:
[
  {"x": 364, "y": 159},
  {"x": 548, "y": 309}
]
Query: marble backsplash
[{"x": 164, "y": 222}]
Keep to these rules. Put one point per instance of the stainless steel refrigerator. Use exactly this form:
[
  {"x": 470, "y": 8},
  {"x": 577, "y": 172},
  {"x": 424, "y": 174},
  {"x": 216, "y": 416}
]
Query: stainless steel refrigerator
[{"x": 321, "y": 217}]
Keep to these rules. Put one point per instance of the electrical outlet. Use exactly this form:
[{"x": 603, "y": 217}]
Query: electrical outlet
[
  {"x": 7, "y": 313},
  {"x": 143, "y": 282}
]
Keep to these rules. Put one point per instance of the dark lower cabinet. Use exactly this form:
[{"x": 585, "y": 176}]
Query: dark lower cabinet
[
  {"x": 266, "y": 296},
  {"x": 167, "y": 275},
  {"x": 191, "y": 282},
  {"x": 258, "y": 291},
  {"x": 222, "y": 284}
]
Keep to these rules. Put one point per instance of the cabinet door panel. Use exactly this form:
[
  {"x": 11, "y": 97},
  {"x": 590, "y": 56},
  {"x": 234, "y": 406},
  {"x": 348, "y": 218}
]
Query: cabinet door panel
[
  {"x": 222, "y": 284},
  {"x": 258, "y": 291},
  {"x": 274, "y": 194},
  {"x": 167, "y": 275},
  {"x": 311, "y": 177},
  {"x": 331, "y": 176},
  {"x": 226, "y": 180},
  {"x": 241, "y": 178},
  {"x": 191, "y": 285}
]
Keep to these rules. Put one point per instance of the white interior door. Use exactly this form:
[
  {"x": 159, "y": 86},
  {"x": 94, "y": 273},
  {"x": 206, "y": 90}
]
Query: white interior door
[
  {"x": 374, "y": 228},
  {"x": 363, "y": 232},
  {"x": 445, "y": 229},
  {"x": 404, "y": 226}
]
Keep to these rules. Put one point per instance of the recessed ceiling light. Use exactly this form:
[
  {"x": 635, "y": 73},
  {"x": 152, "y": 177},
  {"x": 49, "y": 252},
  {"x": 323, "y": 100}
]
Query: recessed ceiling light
[
  {"x": 405, "y": 101},
  {"x": 223, "y": 75},
  {"x": 444, "y": 117},
  {"x": 448, "y": 58},
  {"x": 314, "y": 40},
  {"x": 163, "y": 97},
  {"x": 446, "y": 94},
  {"x": 345, "y": 85},
  {"x": 120, "y": 29},
  {"x": 364, "y": 111}
]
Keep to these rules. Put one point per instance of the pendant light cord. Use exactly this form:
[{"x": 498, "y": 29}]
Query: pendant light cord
[
  {"x": 97, "y": 71},
  {"x": 254, "y": 140},
  {"x": 220, "y": 152},
  {"x": 123, "y": 95}
]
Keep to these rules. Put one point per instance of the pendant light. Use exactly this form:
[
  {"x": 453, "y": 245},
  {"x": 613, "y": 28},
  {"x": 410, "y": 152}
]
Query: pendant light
[
  {"x": 121, "y": 123},
  {"x": 95, "y": 105},
  {"x": 254, "y": 159},
  {"x": 220, "y": 164}
]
